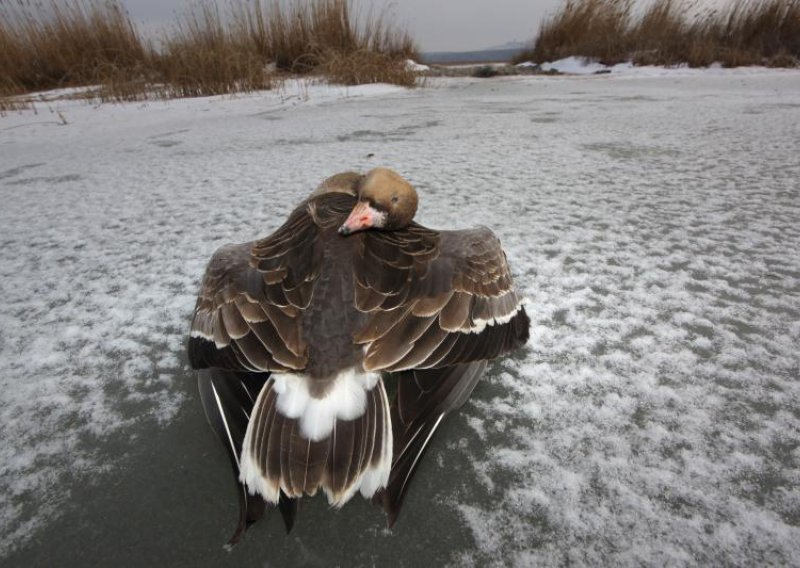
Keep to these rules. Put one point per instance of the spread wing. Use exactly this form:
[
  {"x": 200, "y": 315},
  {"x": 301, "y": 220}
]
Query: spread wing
[
  {"x": 441, "y": 305},
  {"x": 248, "y": 315},
  {"x": 436, "y": 299},
  {"x": 424, "y": 397}
]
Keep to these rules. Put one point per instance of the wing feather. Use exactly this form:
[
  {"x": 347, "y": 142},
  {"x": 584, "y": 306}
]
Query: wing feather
[
  {"x": 447, "y": 298},
  {"x": 423, "y": 399},
  {"x": 253, "y": 296}
]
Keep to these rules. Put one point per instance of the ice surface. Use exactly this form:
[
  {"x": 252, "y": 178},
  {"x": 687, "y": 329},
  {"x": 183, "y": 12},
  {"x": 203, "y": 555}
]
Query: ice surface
[{"x": 652, "y": 221}]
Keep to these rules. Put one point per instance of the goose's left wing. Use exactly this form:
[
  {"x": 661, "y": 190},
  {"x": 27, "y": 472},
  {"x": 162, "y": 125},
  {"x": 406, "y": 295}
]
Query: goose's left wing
[
  {"x": 440, "y": 305},
  {"x": 436, "y": 299},
  {"x": 424, "y": 397}
]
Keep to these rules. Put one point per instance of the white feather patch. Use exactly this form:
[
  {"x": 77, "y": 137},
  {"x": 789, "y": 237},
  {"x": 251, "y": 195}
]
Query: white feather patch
[
  {"x": 199, "y": 333},
  {"x": 480, "y": 324},
  {"x": 345, "y": 400}
]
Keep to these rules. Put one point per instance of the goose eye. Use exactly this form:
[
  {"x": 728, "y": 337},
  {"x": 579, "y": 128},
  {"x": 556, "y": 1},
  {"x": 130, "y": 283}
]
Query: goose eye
[{"x": 395, "y": 199}]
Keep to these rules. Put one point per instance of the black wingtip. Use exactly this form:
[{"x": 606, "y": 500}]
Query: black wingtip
[
  {"x": 391, "y": 519},
  {"x": 288, "y": 509},
  {"x": 251, "y": 509},
  {"x": 227, "y": 398},
  {"x": 391, "y": 506}
]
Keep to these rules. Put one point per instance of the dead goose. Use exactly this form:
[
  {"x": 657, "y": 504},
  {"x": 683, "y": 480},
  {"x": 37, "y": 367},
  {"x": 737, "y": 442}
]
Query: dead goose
[{"x": 293, "y": 332}]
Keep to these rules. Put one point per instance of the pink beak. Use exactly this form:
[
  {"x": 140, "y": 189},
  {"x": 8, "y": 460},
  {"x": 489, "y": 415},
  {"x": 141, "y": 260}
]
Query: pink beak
[{"x": 361, "y": 217}]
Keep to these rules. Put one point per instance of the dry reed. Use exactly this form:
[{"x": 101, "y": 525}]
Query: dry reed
[
  {"x": 671, "y": 32},
  {"x": 360, "y": 67},
  {"x": 208, "y": 50}
]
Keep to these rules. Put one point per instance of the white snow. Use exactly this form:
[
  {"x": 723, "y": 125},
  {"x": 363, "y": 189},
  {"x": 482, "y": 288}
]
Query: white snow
[
  {"x": 577, "y": 65},
  {"x": 652, "y": 221},
  {"x": 412, "y": 65},
  {"x": 574, "y": 65}
]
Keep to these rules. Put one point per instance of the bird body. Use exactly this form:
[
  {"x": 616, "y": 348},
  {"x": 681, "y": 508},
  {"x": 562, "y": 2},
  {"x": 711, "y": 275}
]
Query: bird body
[{"x": 294, "y": 335}]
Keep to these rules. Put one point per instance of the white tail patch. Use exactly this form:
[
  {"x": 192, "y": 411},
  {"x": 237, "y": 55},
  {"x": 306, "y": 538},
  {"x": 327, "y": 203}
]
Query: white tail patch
[
  {"x": 345, "y": 400},
  {"x": 317, "y": 418}
]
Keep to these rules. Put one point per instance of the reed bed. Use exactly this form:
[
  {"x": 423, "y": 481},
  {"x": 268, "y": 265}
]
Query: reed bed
[
  {"x": 672, "y": 32},
  {"x": 210, "y": 49}
]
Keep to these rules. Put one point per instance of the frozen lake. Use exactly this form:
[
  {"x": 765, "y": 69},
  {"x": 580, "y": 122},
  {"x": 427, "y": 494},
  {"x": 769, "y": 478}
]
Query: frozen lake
[{"x": 652, "y": 221}]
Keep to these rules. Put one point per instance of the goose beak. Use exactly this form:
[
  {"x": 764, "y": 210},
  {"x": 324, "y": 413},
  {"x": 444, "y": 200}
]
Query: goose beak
[{"x": 363, "y": 216}]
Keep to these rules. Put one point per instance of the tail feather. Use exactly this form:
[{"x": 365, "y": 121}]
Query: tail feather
[
  {"x": 280, "y": 459},
  {"x": 342, "y": 447}
]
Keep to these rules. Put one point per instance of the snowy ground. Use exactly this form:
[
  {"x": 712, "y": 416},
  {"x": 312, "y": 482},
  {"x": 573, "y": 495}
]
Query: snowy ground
[{"x": 653, "y": 222}]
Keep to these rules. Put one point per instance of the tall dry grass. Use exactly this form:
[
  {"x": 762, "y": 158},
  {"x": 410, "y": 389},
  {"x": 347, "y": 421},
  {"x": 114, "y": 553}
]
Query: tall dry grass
[
  {"x": 202, "y": 55},
  {"x": 366, "y": 66},
  {"x": 61, "y": 44},
  {"x": 598, "y": 27},
  {"x": 670, "y": 32},
  {"x": 210, "y": 48},
  {"x": 300, "y": 36}
]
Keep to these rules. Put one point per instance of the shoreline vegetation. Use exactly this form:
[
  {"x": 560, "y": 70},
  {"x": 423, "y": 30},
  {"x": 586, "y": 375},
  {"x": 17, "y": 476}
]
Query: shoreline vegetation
[
  {"x": 671, "y": 32},
  {"x": 250, "y": 45},
  {"x": 210, "y": 49}
]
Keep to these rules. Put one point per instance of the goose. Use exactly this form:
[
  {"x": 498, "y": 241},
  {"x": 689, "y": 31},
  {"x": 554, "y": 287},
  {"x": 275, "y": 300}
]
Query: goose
[{"x": 295, "y": 337}]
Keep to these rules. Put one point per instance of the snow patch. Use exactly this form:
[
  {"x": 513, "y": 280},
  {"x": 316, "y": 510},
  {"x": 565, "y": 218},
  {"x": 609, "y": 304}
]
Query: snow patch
[{"x": 412, "y": 65}]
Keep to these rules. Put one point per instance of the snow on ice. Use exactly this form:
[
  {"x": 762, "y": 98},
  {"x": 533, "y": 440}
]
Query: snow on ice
[{"x": 653, "y": 223}]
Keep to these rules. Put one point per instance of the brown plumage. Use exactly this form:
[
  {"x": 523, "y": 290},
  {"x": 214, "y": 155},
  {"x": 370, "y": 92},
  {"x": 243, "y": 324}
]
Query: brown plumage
[{"x": 349, "y": 287}]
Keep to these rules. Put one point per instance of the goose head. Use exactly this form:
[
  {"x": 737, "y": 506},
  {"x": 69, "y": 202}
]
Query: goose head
[{"x": 385, "y": 201}]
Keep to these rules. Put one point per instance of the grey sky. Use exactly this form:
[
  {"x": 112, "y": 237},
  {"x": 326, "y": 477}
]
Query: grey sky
[{"x": 445, "y": 25}]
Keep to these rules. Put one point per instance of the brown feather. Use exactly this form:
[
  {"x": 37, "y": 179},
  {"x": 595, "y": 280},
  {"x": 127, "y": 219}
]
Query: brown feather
[
  {"x": 221, "y": 337},
  {"x": 441, "y": 352},
  {"x": 272, "y": 341},
  {"x": 369, "y": 427},
  {"x": 288, "y": 328},
  {"x": 287, "y": 449},
  {"x": 255, "y": 353},
  {"x": 252, "y": 312},
  {"x": 396, "y": 301},
  {"x": 359, "y": 447},
  {"x": 432, "y": 305},
  {"x": 380, "y": 324},
  {"x": 315, "y": 467},
  {"x": 273, "y": 454},
  {"x": 276, "y": 296},
  {"x": 455, "y": 315},
  {"x": 391, "y": 348},
  {"x": 423, "y": 349},
  {"x": 368, "y": 299},
  {"x": 234, "y": 322},
  {"x": 264, "y": 416},
  {"x": 301, "y": 294},
  {"x": 341, "y": 454},
  {"x": 381, "y": 421}
]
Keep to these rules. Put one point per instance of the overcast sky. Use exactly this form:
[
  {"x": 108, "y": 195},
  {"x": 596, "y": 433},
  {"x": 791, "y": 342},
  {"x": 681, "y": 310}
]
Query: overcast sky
[{"x": 443, "y": 25}]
